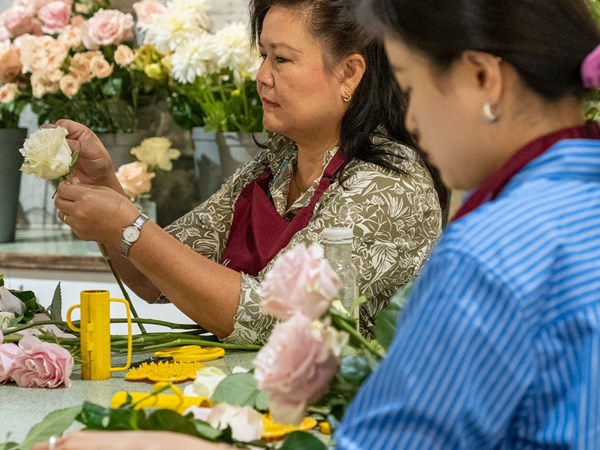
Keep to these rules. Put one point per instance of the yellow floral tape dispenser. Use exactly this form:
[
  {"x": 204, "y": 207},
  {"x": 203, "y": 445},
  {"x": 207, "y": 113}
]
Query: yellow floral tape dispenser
[{"x": 94, "y": 332}]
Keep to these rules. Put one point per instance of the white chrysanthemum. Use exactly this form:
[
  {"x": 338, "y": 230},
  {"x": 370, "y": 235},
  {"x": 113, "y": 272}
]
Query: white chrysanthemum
[
  {"x": 183, "y": 21},
  {"x": 232, "y": 47},
  {"x": 193, "y": 59}
]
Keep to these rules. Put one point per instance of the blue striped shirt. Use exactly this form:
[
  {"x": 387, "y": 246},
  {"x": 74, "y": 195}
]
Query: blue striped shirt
[{"x": 499, "y": 345}]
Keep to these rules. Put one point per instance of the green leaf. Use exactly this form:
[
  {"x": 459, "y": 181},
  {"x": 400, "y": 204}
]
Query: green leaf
[
  {"x": 96, "y": 417},
  {"x": 56, "y": 305},
  {"x": 301, "y": 440},
  {"x": 386, "y": 320},
  {"x": 55, "y": 423},
  {"x": 239, "y": 389},
  {"x": 168, "y": 420},
  {"x": 354, "y": 369}
]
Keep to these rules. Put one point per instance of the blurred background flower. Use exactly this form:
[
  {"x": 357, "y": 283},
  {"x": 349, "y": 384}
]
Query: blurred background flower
[{"x": 211, "y": 74}]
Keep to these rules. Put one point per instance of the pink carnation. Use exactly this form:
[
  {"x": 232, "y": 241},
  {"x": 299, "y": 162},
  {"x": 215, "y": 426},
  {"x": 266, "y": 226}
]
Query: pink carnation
[
  {"x": 107, "y": 27},
  {"x": 294, "y": 368},
  {"x": 42, "y": 364},
  {"x": 55, "y": 17},
  {"x": 300, "y": 281}
]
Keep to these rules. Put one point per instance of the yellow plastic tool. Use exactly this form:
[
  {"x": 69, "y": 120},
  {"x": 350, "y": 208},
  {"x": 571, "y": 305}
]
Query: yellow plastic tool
[
  {"x": 95, "y": 334},
  {"x": 190, "y": 353},
  {"x": 273, "y": 431},
  {"x": 171, "y": 371},
  {"x": 177, "y": 402}
]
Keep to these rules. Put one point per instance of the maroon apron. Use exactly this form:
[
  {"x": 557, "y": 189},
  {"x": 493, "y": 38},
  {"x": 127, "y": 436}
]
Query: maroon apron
[{"x": 258, "y": 231}]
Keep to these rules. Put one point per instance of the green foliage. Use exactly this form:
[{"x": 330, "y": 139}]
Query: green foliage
[
  {"x": 592, "y": 108},
  {"x": 240, "y": 389},
  {"x": 301, "y": 440},
  {"x": 56, "y": 305},
  {"x": 55, "y": 423},
  {"x": 385, "y": 322},
  {"x": 10, "y": 112},
  {"x": 216, "y": 102}
]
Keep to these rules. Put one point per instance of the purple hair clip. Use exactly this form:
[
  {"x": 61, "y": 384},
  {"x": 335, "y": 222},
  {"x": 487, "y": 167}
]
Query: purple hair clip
[{"x": 590, "y": 70}]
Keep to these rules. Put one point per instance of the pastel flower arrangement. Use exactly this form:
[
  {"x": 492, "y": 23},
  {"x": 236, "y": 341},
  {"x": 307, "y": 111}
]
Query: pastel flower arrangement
[
  {"x": 74, "y": 59},
  {"x": 211, "y": 74}
]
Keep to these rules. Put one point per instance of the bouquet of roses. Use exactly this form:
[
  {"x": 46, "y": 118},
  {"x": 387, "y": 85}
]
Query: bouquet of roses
[{"x": 75, "y": 59}]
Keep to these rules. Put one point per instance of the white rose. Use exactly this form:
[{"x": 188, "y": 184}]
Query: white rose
[
  {"x": 205, "y": 383},
  {"x": 47, "y": 154},
  {"x": 156, "y": 152},
  {"x": 246, "y": 423}
]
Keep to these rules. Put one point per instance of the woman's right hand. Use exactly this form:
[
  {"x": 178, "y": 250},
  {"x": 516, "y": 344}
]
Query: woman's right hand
[{"x": 94, "y": 166}]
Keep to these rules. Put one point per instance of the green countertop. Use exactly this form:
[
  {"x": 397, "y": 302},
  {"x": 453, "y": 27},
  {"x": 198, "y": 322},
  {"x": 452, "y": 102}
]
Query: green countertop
[{"x": 21, "y": 408}]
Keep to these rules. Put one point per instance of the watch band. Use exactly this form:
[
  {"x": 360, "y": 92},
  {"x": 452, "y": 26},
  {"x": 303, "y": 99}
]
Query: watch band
[{"x": 126, "y": 244}]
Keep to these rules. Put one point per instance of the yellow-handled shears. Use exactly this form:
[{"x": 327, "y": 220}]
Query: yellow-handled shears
[{"x": 190, "y": 353}]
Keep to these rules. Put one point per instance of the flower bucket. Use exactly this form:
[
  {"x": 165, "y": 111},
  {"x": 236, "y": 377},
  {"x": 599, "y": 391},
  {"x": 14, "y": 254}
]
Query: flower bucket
[
  {"x": 237, "y": 148},
  {"x": 207, "y": 162},
  {"x": 119, "y": 145},
  {"x": 10, "y": 179}
]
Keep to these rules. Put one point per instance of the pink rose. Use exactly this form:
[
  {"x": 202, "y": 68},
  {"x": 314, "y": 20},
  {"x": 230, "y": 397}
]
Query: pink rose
[
  {"x": 42, "y": 364},
  {"x": 300, "y": 281},
  {"x": 145, "y": 9},
  {"x": 107, "y": 27},
  {"x": 294, "y": 368},
  {"x": 69, "y": 85},
  {"x": 17, "y": 20},
  {"x": 8, "y": 352},
  {"x": 8, "y": 92},
  {"x": 135, "y": 178},
  {"x": 124, "y": 55},
  {"x": 101, "y": 68},
  {"x": 55, "y": 17}
]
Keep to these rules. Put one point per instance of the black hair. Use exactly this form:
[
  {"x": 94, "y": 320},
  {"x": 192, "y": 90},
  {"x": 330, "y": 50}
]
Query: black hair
[
  {"x": 377, "y": 101},
  {"x": 544, "y": 40}
]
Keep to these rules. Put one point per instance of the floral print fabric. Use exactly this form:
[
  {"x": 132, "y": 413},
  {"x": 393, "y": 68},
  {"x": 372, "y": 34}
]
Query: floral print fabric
[{"x": 396, "y": 219}]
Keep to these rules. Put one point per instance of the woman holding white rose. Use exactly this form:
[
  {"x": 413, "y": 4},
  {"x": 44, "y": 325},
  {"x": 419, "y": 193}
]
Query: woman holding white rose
[{"x": 336, "y": 158}]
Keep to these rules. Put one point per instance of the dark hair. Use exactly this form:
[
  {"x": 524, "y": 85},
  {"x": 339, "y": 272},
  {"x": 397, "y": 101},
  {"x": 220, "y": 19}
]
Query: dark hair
[
  {"x": 377, "y": 101},
  {"x": 545, "y": 40}
]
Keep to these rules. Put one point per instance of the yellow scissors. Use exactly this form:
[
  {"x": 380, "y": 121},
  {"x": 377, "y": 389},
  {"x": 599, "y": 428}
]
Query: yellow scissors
[{"x": 190, "y": 353}]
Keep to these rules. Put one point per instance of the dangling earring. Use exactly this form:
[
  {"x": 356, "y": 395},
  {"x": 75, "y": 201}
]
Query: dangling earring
[
  {"x": 347, "y": 96},
  {"x": 489, "y": 115}
]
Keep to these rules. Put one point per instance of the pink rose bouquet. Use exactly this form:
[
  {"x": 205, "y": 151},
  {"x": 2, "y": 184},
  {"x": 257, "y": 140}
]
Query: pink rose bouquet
[{"x": 65, "y": 58}]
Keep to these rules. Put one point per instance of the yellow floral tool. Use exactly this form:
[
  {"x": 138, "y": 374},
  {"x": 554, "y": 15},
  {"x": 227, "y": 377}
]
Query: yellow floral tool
[
  {"x": 173, "y": 371},
  {"x": 95, "y": 334},
  {"x": 177, "y": 402},
  {"x": 273, "y": 431},
  {"x": 190, "y": 353}
]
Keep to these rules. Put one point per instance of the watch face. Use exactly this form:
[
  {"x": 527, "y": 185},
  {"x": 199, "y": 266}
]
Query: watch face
[{"x": 131, "y": 233}]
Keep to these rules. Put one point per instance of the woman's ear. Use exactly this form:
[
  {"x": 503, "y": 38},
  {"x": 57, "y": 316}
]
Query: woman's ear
[
  {"x": 485, "y": 74},
  {"x": 351, "y": 70}
]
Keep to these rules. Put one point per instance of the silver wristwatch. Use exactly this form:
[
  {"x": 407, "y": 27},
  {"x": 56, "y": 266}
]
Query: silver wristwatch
[{"x": 131, "y": 234}]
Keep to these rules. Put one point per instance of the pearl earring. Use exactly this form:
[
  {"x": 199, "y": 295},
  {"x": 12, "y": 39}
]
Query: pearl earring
[{"x": 489, "y": 115}]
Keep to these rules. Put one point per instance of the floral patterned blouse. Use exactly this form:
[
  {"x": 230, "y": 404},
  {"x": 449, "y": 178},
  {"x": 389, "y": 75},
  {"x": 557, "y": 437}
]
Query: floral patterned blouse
[{"x": 396, "y": 219}]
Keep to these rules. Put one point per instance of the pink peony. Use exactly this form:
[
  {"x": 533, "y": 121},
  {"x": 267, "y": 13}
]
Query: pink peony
[
  {"x": 107, "y": 27},
  {"x": 294, "y": 368},
  {"x": 145, "y": 9},
  {"x": 300, "y": 281},
  {"x": 55, "y": 17},
  {"x": 42, "y": 364}
]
